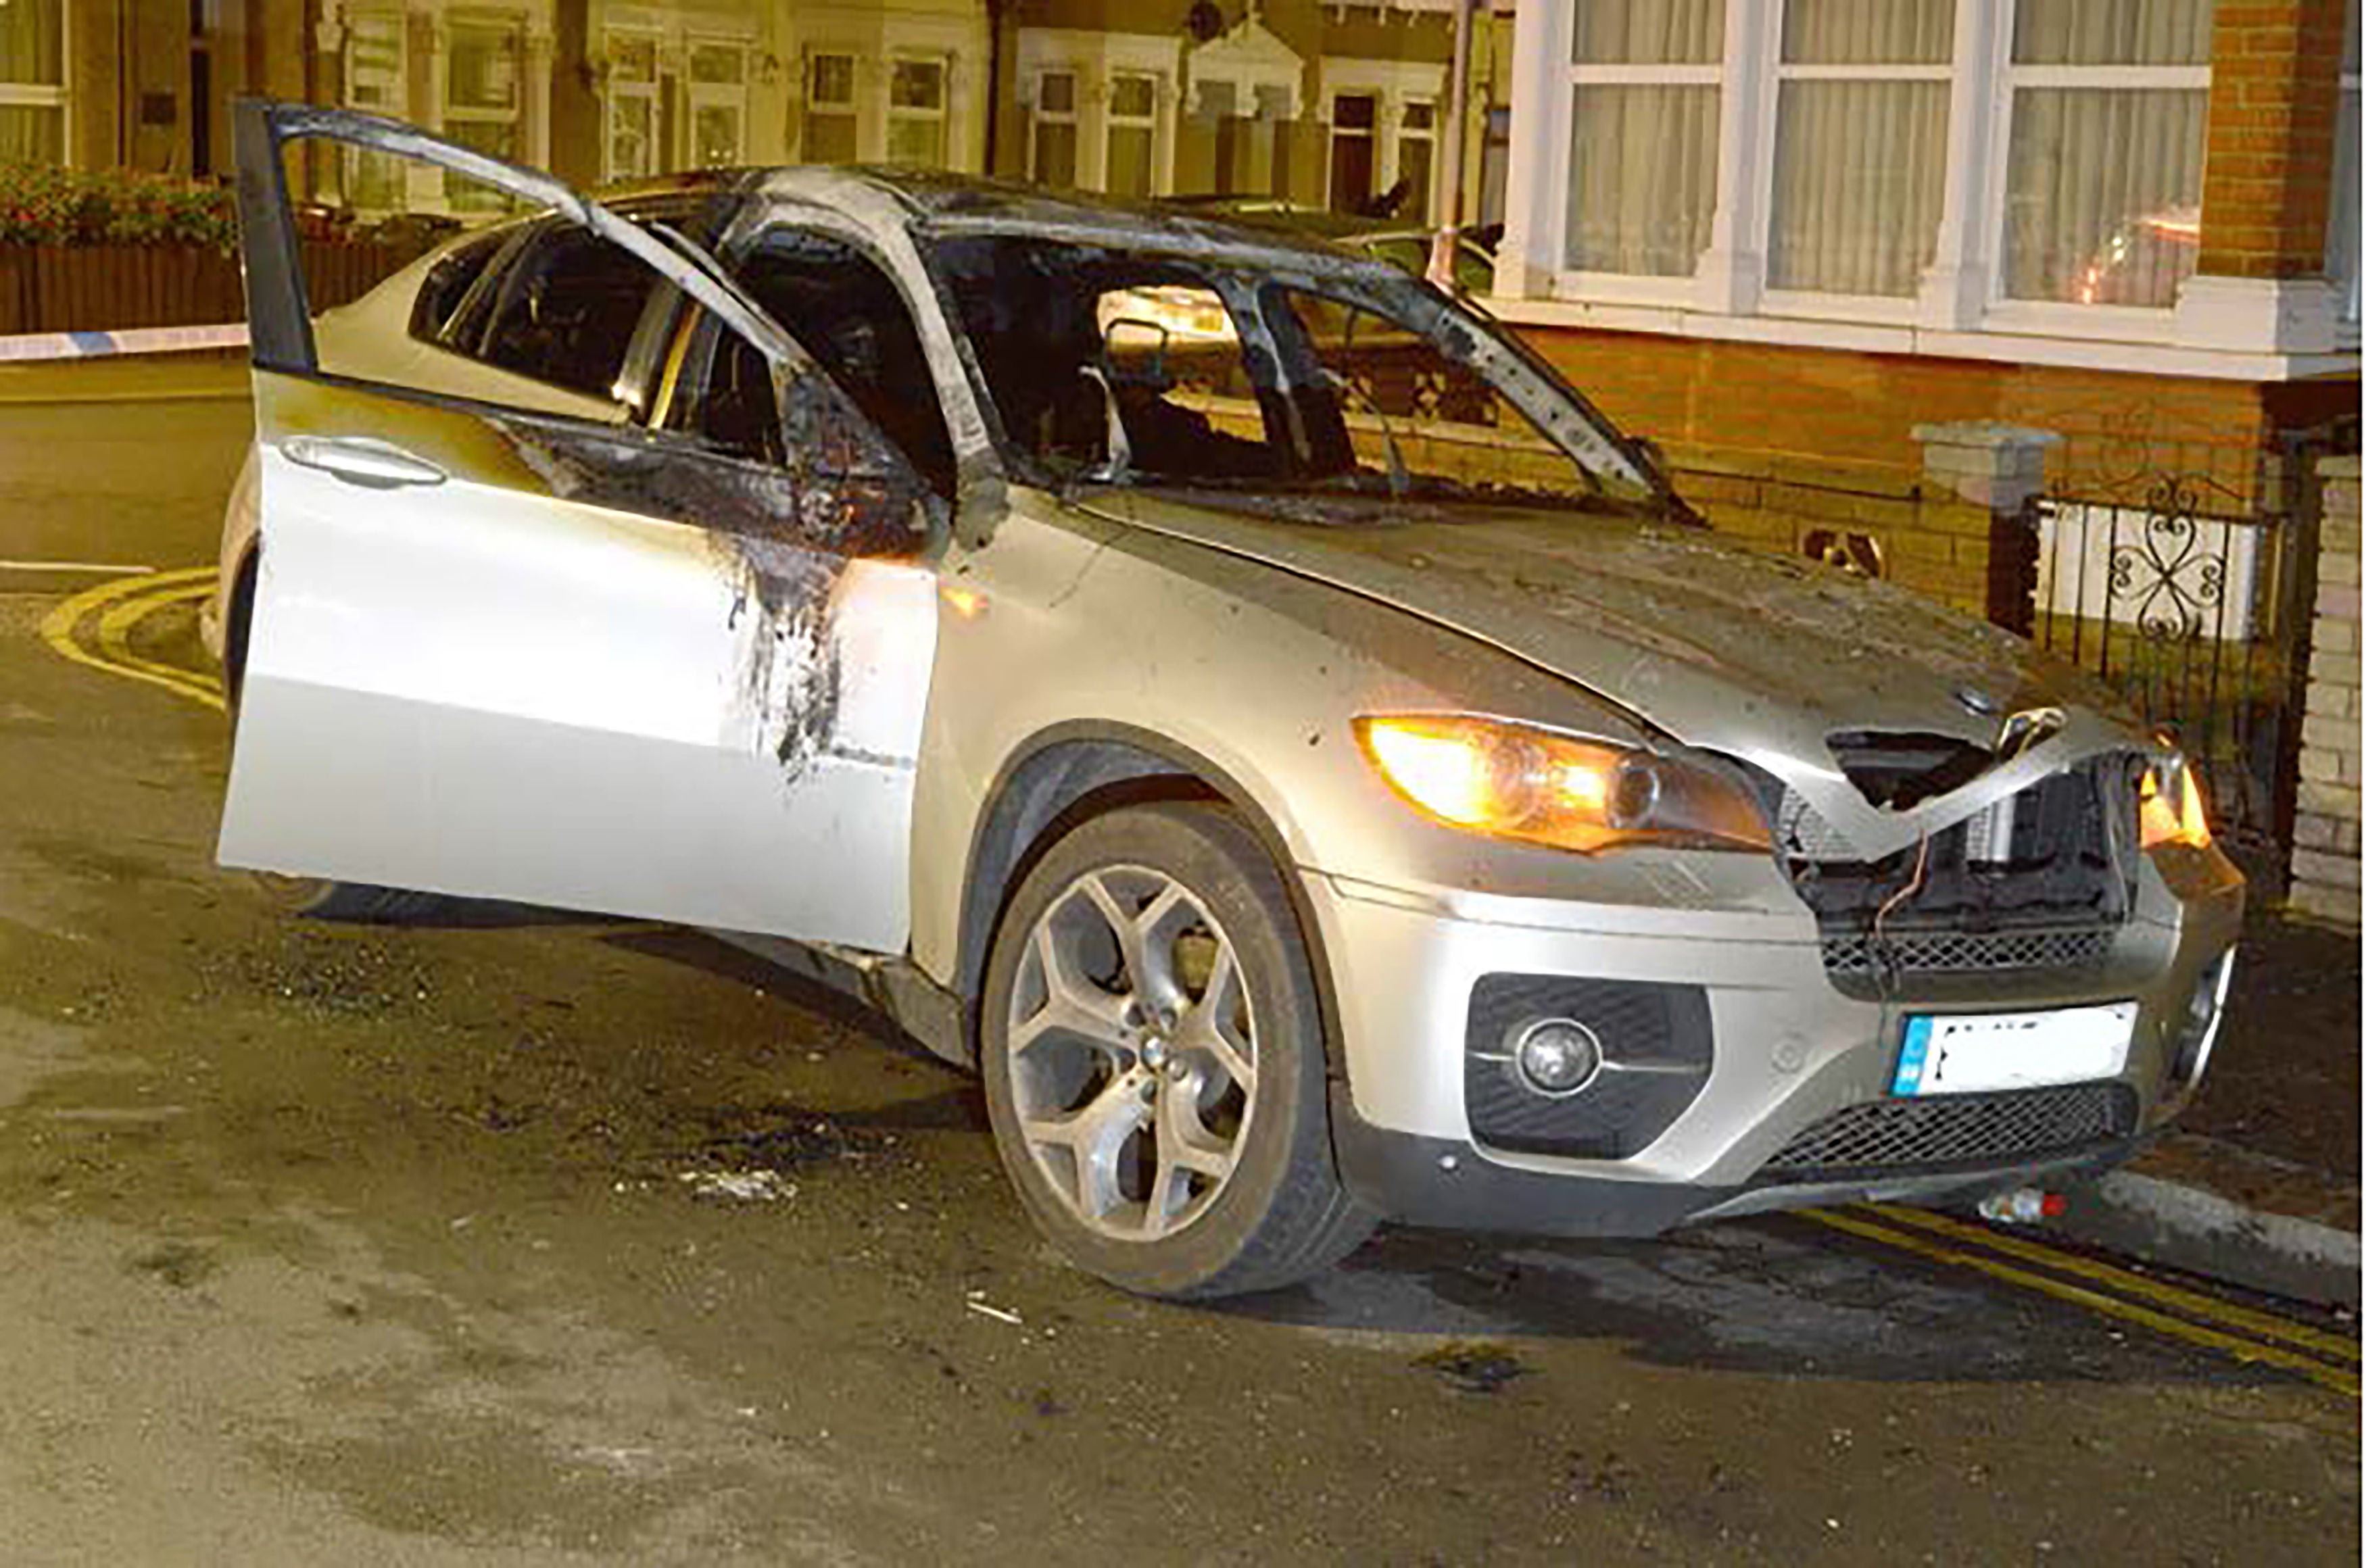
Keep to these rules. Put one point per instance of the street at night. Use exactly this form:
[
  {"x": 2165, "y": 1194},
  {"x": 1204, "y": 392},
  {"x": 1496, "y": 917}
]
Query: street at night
[{"x": 523, "y": 1237}]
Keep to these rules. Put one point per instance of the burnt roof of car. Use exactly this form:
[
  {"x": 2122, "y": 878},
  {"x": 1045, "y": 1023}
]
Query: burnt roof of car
[{"x": 953, "y": 202}]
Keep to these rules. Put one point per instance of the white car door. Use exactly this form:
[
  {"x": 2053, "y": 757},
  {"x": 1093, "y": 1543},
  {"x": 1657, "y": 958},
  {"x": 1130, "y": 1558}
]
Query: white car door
[{"x": 522, "y": 647}]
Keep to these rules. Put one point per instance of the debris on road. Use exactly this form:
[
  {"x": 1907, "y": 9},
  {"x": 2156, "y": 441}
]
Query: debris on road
[{"x": 739, "y": 1186}]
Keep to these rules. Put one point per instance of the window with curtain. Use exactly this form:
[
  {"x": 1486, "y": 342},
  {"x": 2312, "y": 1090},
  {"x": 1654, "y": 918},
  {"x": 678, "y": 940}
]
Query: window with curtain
[
  {"x": 630, "y": 105},
  {"x": 916, "y": 112},
  {"x": 378, "y": 79},
  {"x": 482, "y": 91},
  {"x": 1860, "y": 144},
  {"x": 2104, "y": 170},
  {"x": 2341, "y": 232},
  {"x": 1131, "y": 166},
  {"x": 718, "y": 105},
  {"x": 1647, "y": 76},
  {"x": 1052, "y": 157},
  {"x": 32, "y": 81},
  {"x": 829, "y": 124}
]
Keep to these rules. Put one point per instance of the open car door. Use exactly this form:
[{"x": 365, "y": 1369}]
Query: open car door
[{"x": 511, "y": 641}]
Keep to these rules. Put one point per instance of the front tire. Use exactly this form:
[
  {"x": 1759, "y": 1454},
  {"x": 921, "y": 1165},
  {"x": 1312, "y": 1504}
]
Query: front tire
[{"x": 1155, "y": 1061}]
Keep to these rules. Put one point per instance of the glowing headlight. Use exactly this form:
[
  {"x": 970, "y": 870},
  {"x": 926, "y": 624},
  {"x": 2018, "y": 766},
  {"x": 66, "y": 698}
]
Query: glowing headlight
[
  {"x": 1514, "y": 781},
  {"x": 2168, "y": 806}
]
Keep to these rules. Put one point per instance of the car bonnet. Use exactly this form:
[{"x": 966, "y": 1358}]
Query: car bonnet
[{"x": 1756, "y": 656}]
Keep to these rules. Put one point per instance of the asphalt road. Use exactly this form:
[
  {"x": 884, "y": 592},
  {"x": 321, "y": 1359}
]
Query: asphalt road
[{"x": 332, "y": 1243}]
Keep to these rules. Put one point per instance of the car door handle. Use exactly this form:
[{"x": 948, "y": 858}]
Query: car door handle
[{"x": 357, "y": 460}]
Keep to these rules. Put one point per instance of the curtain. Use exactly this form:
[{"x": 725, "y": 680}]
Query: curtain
[
  {"x": 1642, "y": 163},
  {"x": 2103, "y": 193},
  {"x": 1648, "y": 32},
  {"x": 2112, "y": 32},
  {"x": 1642, "y": 179},
  {"x": 1860, "y": 166},
  {"x": 32, "y": 43}
]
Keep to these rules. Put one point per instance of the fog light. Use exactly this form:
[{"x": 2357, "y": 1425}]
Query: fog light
[{"x": 1557, "y": 1057}]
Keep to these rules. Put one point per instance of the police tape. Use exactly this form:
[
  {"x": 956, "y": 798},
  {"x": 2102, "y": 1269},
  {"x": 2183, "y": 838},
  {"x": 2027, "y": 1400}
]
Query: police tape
[{"x": 30, "y": 346}]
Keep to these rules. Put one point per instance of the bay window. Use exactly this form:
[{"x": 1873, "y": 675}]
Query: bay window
[{"x": 1920, "y": 170}]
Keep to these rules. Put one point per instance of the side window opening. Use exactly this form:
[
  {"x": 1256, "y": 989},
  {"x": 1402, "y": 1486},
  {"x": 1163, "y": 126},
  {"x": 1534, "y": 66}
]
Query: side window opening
[
  {"x": 1052, "y": 325},
  {"x": 565, "y": 312},
  {"x": 847, "y": 312}
]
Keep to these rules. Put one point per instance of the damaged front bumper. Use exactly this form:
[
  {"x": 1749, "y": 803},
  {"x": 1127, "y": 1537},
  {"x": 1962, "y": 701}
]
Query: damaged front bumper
[{"x": 1743, "y": 1069}]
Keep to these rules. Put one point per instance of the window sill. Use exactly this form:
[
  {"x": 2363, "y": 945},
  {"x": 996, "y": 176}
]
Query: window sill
[{"x": 2049, "y": 339}]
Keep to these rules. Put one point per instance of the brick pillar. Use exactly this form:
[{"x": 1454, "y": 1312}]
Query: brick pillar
[
  {"x": 2325, "y": 830},
  {"x": 2268, "y": 180},
  {"x": 1997, "y": 467}
]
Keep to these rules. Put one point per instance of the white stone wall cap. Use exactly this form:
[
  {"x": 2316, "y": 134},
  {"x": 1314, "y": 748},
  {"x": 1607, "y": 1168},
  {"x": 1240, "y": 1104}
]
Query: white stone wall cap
[{"x": 1989, "y": 433}]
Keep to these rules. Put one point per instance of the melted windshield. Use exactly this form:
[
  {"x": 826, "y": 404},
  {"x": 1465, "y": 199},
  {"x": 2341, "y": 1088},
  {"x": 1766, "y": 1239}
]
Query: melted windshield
[{"x": 1121, "y": 367}]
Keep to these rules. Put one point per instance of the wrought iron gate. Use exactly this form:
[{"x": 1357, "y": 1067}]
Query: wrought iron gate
[{"x": 2194, "y": 601}]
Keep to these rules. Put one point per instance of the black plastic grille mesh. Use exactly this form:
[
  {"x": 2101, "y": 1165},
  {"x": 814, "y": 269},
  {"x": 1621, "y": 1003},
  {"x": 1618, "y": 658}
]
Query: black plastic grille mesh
[
  {"x": 1963, "y": 952},
  {"x": 1959, "y": 1130}
]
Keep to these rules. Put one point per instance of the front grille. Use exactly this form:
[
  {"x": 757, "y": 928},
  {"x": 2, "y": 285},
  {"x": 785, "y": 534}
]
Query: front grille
[
  {"x": 1850, "y": 954},
  {"x": 1905, "y": 1135}
]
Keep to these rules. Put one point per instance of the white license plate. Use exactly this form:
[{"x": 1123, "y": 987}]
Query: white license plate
[{"x": 1965, "y": 1053}]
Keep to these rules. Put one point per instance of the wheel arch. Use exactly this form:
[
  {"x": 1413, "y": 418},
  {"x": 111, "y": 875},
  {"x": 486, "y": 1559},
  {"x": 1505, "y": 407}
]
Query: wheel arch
[
  {"x": 238, "y": 620},
  {"x": 1072, "y": 771}
]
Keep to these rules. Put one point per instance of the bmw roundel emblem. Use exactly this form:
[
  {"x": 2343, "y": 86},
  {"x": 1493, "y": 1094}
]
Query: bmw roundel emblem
[{"x": 1975, "y": 700}]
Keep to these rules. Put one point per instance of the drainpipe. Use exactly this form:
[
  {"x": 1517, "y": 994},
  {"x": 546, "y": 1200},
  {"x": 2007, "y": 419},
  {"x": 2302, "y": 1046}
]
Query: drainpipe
[
  {"x": 993, "y": 87},
  {"x": 1458, "y": 117}
]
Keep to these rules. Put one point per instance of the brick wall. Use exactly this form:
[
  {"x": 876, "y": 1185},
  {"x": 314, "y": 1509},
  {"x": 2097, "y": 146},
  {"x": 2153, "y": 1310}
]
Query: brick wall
[
  {"x": 1866, "y": 516},
  {"x": 1828, "y": 406},
  {"x": 2274, "y": 85},
  {"x": 2326, "y": 832}
]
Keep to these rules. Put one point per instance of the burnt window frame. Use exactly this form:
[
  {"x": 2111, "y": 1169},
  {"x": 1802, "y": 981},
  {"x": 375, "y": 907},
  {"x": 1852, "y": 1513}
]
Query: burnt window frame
[{"x": 695, "y": 341}]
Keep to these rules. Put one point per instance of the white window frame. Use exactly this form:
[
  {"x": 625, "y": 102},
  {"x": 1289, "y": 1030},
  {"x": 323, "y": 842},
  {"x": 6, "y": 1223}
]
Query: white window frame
[
  {"x": 56, "y": 95},
  {"x": 1038, "y": 117},
  {"x": 940, "y": 116},
  {"x": 697, "y": 95},
  {"x": 354, "y": 20},
  {"x": 616, "y": 89},
  {"x": 513, "y": 23},
  {"x": 1960, "y": 310},
  {"x": 2345, "y": 290},
  {"x": 1162, "y": 181},
  {"x": 2133, "y": 324},
  {"x": 849, "y": 109},
  {"x": 1901, "y": 309}
]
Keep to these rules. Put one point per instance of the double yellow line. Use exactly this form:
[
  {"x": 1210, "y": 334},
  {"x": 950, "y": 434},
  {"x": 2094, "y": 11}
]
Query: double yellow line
[
  {"x": 94, "y": 629},
  {"x": 2224, "y": 1326}
]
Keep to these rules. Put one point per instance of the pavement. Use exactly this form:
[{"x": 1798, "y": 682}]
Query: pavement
[
  {"x": 536, "y": 1238},
  {"x": 2257, "y": 1185}
]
